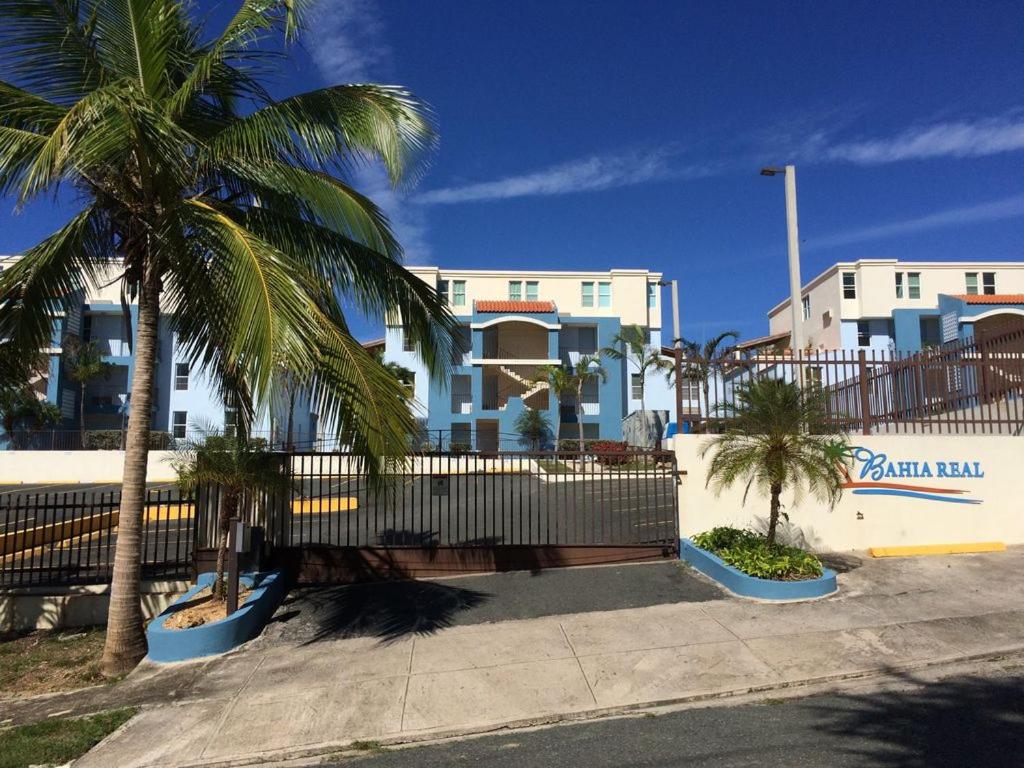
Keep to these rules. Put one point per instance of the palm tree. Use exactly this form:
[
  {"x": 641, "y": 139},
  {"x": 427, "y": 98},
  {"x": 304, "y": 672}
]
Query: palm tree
[
  {"x": 630, "y": 343},
  {"x": 570, "y": 382},
  {"x": 533, "y": 427},
  {"x": 701, "y": 361},
  {"x": 236, "y": 467},
  {"x": 215, "y": 203},
  {"x": 778, "y": 439},
  {"x": 84, "y": 363}
]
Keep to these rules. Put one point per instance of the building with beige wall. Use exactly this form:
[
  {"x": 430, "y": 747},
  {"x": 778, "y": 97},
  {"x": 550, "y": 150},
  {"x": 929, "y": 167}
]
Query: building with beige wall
[
  {"x": 512, "y": 323},
  {"x": 886, "y": 304}
]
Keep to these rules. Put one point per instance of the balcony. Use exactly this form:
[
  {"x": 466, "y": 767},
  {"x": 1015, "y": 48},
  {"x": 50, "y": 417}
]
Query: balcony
[{"x": 515, "y": 340}]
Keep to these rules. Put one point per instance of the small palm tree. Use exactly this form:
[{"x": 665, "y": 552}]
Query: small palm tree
[
  {"x": 533, "y": 427},
  {"x": 700, "y": 361},
  {"x": 778, "y": 440},
  {"x": 234, "y": 466},
  {"x": 561, "y": 384},
  {"x": 84, "y": 364},
  {"x": 630, "y": 343}
]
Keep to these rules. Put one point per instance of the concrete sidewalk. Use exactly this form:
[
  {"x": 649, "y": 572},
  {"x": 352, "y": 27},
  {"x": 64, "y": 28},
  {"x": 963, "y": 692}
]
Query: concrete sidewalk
[{"x": 276, "y": 700}]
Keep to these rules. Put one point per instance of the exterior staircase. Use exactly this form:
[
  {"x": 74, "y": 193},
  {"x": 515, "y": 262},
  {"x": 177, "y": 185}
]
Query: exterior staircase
[{"x": 531, "y": 387}]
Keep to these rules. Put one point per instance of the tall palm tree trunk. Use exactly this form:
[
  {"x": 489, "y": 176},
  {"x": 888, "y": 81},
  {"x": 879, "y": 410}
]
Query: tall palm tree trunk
[
  {"x": 126, "y": 640},
  {"x": 773, "y": 515},
  {"x": 81, "y": 413}
]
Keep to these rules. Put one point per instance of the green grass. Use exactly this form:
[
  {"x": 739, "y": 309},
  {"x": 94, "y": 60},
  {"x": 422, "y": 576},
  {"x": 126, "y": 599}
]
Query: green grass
[
  {"x": 49, "y": 661},
  {"x": 549, "y": 465},
  {"x": 54, "y": 742}
]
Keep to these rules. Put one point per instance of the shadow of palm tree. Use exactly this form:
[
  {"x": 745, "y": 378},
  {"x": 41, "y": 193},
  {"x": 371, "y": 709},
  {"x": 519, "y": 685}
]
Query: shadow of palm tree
[
  {"x": 962, "y": 721},
  {"x": 387, "y": 610}
]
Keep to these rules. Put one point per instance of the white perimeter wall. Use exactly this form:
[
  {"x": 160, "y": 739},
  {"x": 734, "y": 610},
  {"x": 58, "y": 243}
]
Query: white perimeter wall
[
  {"x": 36, "y": 467},
  {"x": 861, "y": 521}
]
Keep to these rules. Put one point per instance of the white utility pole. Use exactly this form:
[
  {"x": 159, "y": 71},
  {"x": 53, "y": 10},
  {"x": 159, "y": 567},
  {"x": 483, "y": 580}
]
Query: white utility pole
[
  {"x": 677, "y": 337},
  {"x": 795, "y": 298}
]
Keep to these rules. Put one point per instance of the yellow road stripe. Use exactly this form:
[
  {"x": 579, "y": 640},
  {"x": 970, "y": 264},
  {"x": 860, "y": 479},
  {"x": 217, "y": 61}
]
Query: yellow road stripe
[{"x": 938, "y": 549}]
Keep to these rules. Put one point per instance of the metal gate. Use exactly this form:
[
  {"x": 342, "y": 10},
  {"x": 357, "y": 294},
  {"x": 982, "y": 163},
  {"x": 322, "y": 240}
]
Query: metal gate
[{"x": 436, "y": 513}]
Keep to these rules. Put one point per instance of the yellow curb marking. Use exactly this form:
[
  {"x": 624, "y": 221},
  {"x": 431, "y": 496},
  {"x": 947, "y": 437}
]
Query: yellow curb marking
[{"x": 938, "y": 549}]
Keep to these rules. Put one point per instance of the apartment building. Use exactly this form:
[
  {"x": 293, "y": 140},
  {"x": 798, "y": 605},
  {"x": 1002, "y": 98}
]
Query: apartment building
[
  {"x": 185, "y": 397},
  {"x": 891, "y": 305},
  {"x": 512, "y": 323}
]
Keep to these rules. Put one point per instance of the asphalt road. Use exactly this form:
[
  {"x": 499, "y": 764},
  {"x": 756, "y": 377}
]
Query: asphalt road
[{"x": 974, "y": 719}]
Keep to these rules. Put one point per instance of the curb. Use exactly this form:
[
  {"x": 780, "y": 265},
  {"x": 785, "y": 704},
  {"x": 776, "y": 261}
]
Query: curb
[{"x": 341, "y": 748}]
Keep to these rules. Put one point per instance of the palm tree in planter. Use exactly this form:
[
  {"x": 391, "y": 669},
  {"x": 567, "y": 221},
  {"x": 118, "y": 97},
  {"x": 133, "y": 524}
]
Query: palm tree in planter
[
  {"x": 630, "y": 343},
  {"x": 234, "y": 466},
  {"x": 778, "y": 440},
  {"x": 217, "y": 204},
  {"x": 562, "y": 384},
  {"x": 84, "y": 364}
]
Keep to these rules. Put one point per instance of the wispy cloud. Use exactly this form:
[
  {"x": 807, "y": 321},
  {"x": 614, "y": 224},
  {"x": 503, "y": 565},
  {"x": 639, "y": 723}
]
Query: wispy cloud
[
  {"x": 589, "y": 174},
  {"x": 948, "y": 139},
  {"x": 348, "y": 45},
  {"x": 1007, "y": 208},
  {"x": 408, "y": 222}
]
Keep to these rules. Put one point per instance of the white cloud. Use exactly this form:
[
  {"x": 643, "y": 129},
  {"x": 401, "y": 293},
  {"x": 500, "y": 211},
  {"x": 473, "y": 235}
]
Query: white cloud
[
  {"x": 1007, "y": 208},
  {"x": 584, "y": 175},
  {"x": 346, "y": 43},
  {"x": 408, "y": 222},
  {"x": 951, "y": 139}
]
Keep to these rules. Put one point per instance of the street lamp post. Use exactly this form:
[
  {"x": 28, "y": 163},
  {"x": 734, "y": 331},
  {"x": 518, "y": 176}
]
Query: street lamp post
[
  {"x": 795, "y": 303},
  {"x": 677, "y": 344}
]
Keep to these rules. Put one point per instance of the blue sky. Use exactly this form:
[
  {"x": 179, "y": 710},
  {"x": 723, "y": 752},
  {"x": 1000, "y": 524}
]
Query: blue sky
[{"x": 629, "y": 134}]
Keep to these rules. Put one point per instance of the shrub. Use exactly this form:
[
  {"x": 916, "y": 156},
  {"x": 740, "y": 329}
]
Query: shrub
[
  {"x": 456, "y": 447},
  {"x": 110, "y": 440},
  {"x": 751, "y": 553},
  {"x": 610, "y": 451}
]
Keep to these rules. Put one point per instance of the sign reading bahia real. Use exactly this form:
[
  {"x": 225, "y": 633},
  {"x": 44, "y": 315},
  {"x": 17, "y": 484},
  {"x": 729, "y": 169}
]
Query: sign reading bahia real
[{"x": 877, "y": 473}]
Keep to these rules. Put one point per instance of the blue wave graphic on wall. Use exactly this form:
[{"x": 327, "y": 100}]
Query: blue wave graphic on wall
[{"x": 914, "y": 495}]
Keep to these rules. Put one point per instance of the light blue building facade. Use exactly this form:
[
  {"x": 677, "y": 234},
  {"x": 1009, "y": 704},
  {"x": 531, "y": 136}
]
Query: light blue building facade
[{"x": 512, "y": 325}]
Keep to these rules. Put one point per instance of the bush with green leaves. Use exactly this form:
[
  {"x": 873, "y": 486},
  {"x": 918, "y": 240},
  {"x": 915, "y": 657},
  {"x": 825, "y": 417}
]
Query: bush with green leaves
[
  {"x": 112, "y": 440},
  {"x": 751, "y": 553}
]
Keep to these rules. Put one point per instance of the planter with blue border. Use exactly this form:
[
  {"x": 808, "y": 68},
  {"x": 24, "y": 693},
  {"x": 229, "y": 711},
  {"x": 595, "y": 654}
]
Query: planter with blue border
[
  {"x": 741, "y": 584},
  {"x": 166, "y": 645}
]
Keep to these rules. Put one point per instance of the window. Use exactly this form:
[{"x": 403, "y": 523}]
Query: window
[
  {"x": 988, "y": 283},
  {"x": 459, "y": 294},
  {"x": 230, "y": 421},
  {"x": 408, "y": 345},
  {"x": 971, "y": 281},
  {"x": 863, "y": 333},
  {"x": 652, "y": 295},
  {"x": 587, "y": 298},
  {"x": 899, "y": 285},
  {"x": 515, "y": 290},
  {"x": 636, "y": 386},
  {"x": 913, "y": 285},
  {"x": 442, "y": 290},
  {"x": 604, "y": 294},
  {"x": 87, "y": 328},
  {"x": 181, "y": 377},
  {"x": 532, "y": 290},
  {"x": 179, "y": 421},
  {"x": 691, "y": 390},
  {"x": 805, "y": 306},
  {"x": 849, "y": 285},
  {"x": 813, "y": 376}
]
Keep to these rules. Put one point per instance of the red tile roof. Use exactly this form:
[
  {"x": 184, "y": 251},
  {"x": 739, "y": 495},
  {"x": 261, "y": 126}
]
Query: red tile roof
[
  {"x": 992, "y": 298},
  {"x": 515, "y": 306}
]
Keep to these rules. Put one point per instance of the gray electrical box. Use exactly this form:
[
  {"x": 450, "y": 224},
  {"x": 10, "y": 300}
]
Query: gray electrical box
[{"x": 439, "y": 485}]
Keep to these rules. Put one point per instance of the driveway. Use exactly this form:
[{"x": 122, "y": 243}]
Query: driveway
[{"x": 391, "y": 610}]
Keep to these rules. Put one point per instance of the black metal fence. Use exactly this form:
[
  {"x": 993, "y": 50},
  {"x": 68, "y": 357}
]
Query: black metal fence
[
  {"x": 69, "y": 538},
  {"x": 547, "y": 498}
]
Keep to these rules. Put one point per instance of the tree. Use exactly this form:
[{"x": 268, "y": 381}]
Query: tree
[
  {"x": 700, "y": 361},
  {"x": 21, "y": 410},
  {"x": 778, "y": 439},
  {"x": 217, "y": 204},
  {"x": 236, "y": 467},
  {"x": 84, "y": 364},
  {"x": 570, "y": 382},
  {"x": 533, "y": 427},
  {"x": 630, "y": 343}
]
